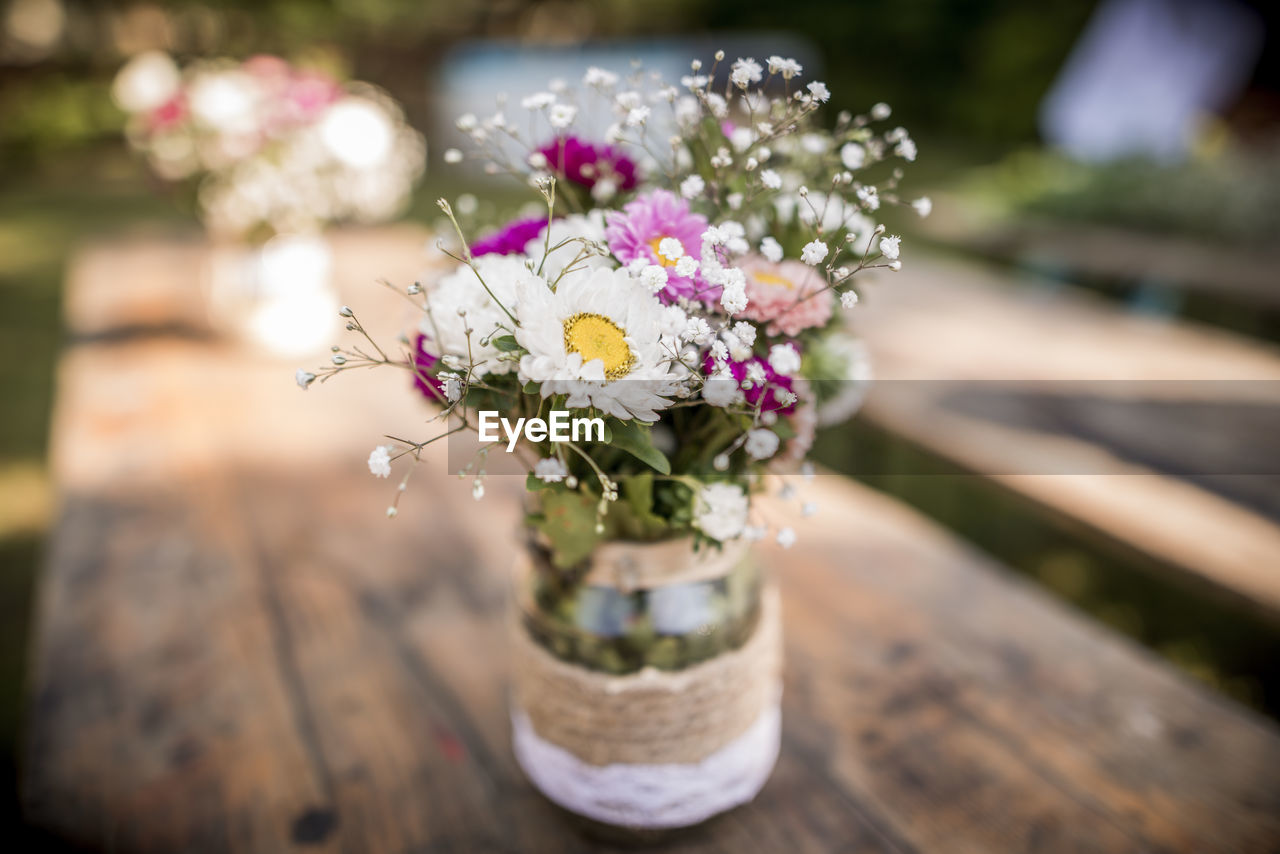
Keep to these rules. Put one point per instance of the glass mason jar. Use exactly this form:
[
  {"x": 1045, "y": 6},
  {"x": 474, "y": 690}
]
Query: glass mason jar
[{"x": 647, "y": 681}]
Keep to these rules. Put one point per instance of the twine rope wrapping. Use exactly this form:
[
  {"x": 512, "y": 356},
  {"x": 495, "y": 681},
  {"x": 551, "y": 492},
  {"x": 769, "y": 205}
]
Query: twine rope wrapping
[{"x": 652, "y": 717}]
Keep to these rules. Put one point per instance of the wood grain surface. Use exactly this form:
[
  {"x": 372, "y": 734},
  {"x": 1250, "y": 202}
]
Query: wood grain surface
[
  {"x": 237, "y": 651},
  {"x": 1088, "y": 412}
]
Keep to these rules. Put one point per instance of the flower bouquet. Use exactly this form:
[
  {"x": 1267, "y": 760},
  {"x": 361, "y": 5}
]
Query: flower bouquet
[
  {"x": 274, "y": 153},
  {"x": 662, "y": 330}
]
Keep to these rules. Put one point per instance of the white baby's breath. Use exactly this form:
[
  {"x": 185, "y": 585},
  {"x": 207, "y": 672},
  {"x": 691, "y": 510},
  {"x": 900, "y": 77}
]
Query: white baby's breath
[
  {"x": 889, "y": 246},
  {"x": 721, "y": 511},
  {"x": 813, "y": 253},
  {"x": 380, "y": 461},
  {"x": 785, "y": 359},
  {"x": 770, "y": 248},
  {"x": 761, "y": 444},
  {"x": 692, "y": 186}
]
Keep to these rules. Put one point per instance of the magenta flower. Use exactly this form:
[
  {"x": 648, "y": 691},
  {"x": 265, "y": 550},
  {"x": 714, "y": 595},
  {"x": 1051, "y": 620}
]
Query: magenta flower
[
  {"x": 585, "y": 163},
  {"x": 511, "y": 238},
  {"x": 423, "y": 378},
  {"x": 774, "y": 383},
  {"x": 635, "y": 232}
]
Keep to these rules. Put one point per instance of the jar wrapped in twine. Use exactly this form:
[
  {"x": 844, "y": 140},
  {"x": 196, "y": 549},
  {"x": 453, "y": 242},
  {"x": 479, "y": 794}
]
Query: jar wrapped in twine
[{"x": 647, "y": 685}]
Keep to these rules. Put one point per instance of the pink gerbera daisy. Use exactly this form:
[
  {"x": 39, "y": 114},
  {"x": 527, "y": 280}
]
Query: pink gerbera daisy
[
  {"x": 786, "y": 296},
  {"x": 635, "y": 232}
]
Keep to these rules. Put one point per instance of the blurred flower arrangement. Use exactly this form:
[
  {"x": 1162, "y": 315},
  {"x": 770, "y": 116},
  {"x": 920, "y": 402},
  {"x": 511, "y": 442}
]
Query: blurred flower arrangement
[
  {"x": 273, "y": 148},
  {"x": 682, "y": 283},
  {"x": 686, "y": 280}
]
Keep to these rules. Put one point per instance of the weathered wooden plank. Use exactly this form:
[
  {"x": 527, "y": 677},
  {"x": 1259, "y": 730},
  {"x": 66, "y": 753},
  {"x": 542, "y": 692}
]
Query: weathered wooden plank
[
  {"x": 936, "y": 326},
  {"x": 1057, "y": 733}
]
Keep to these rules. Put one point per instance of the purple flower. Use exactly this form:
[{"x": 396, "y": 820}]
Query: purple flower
[
  {"x": 585, "y": 163},
  {"x": 774, "y": 382},
  {"x": 511, "y": 238},
  {"x": 423, "y": 380},
  {"x": 635, "y": 232}
]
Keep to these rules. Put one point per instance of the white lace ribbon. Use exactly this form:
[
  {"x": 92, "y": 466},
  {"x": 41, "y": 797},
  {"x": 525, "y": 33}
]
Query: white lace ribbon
[{"x": 652, "y": 796}]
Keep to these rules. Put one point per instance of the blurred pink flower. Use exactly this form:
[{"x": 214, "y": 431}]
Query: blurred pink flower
[
  {"x": 171, "y": 113},
  {"x": 782, "y": 296}
]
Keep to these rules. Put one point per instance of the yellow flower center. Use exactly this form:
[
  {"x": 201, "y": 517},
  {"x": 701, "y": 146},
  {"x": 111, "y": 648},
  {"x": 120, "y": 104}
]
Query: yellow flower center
[
  {"x": 774, "y": 279},
  {"x": 662, "y": 259},
  {"x": 595, "y": 336}
]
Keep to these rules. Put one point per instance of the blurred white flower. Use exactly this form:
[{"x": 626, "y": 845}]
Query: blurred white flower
[
  {"x": 357, "y": 132},
  {"x": 720, "y": 511},
  {"x": 761, "y": 444},
  {"x": 146, "y": 82},
  {"x": 692, "y": 187},
  {"x": 785, "y": 359},
  {"x": 550, "y": 470}
]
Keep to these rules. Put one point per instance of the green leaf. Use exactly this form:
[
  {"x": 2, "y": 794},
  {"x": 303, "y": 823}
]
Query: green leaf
[
  {"x": 533, "y": 484},
  {"x": 633, "y": 518},
  {"x": 505, "y": 343},
  {"x": 636, "y": 439},
  {"x": 569, "y": 523}
]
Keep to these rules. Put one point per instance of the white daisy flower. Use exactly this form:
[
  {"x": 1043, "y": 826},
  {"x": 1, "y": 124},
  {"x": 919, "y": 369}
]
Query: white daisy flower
[
  {"x": 596, "y": 338},
  {"x": 573, "y": 235},
  {"x": 459, "y": 302}
]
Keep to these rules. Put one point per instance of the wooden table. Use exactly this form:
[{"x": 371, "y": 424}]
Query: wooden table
[
  {"x": 1084, "y": 410},
  {"x": 237, "y": 651}
]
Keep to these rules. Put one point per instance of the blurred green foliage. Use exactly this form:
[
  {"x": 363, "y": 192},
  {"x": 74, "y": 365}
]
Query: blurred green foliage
[{"x": 976, "y": 68}]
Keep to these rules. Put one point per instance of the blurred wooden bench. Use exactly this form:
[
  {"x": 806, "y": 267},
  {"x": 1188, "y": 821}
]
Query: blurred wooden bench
[
  {"x": 237, "y": 651},
  {"x": 1181, "y": 264},
  {"x": 968, "y": 363}
]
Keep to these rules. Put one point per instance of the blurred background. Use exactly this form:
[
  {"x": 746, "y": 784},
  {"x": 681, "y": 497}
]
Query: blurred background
[{"x": 1129, "y": 148}]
